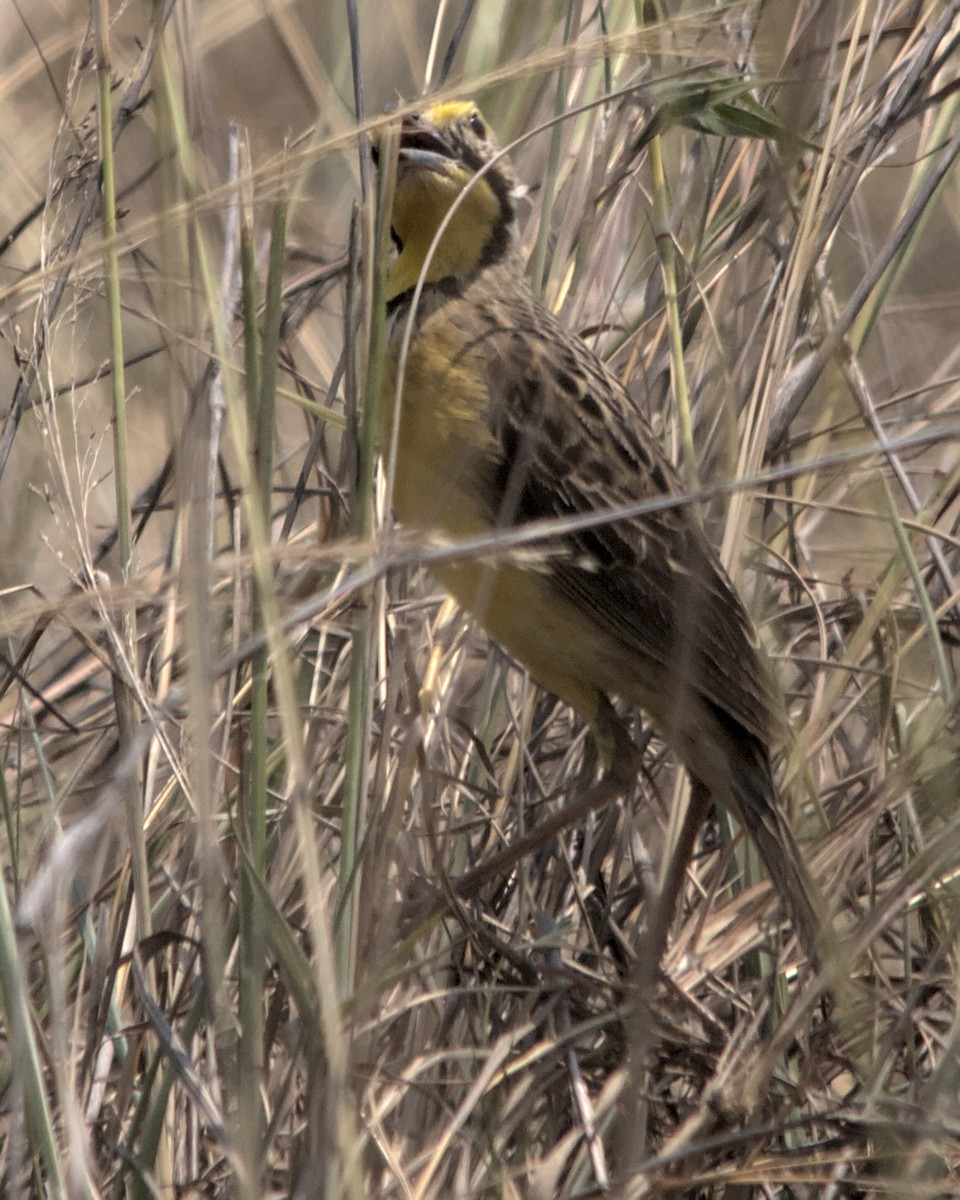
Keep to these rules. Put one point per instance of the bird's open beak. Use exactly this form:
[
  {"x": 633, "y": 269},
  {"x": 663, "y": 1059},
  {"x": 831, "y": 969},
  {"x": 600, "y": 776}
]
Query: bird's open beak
[{"x": 418, "y": 148}]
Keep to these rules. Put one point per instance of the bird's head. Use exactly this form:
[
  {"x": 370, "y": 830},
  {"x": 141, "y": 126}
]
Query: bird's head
[{"x": 449, "y": 165}]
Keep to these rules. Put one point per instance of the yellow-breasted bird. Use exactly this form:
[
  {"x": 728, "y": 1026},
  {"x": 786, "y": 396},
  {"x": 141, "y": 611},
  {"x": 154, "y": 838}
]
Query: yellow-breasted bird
[{"x": 506, "y": 417}]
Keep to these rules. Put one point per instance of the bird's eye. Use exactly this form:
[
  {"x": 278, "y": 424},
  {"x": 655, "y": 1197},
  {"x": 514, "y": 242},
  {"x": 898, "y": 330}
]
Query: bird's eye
[{"x": 477, "y": 125}]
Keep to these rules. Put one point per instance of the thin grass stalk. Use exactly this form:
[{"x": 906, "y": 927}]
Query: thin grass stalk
[
  {"x": 126, "y": 718},
  {"x": 200, "y": 537},
  {"x": 538, "y": 259},
  {"x": 270, "y": 355},
  {"x": 28, "y": 1073},
  {"x": 253, "y": 791},
  {"x": 434, "y": 43},
  {"x": 667, "y": 250},
  {"x": 199, "y": 480},
  {"x": 112, "y": 264},
  {"x": 928, "y": 616},
  {"x": 146, "y": 1121},
  {"x": 249, "y": 299},
  {"x": 376, "y": 227},
  {"x": 355, "y": 774},
  {"x": 359, "y": 105},
  {"x": 254, "y": 821},
  {"x": 11, "y": 822}
]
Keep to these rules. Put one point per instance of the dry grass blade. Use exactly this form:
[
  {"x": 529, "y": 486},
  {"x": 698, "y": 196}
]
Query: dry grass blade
[{"x": 337, "y": 907}]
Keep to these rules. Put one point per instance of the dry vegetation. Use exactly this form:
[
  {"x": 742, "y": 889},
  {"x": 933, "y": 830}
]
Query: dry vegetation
[{"x": 262, "y": 932}]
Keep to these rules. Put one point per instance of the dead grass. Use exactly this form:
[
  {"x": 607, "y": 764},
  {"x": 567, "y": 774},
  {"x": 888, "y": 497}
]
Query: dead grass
[{"x": 262, "y": 931}]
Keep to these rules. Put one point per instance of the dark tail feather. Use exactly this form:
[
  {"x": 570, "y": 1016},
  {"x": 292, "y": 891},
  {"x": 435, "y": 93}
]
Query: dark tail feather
[{"x": 755, "y": 795}]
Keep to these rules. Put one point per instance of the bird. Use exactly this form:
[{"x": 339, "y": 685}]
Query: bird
[{"x": 496, "y": 414}]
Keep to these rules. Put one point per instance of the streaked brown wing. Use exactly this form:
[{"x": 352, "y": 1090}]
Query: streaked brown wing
[{"x": 572, "y": 444}]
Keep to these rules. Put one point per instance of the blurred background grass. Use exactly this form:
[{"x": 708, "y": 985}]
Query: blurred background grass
[{"x": 254, "y": 767}]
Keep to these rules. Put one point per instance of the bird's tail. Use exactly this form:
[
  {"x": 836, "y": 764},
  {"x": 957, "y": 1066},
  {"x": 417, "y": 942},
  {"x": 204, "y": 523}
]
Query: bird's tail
[{"x": 761, "y": 813}]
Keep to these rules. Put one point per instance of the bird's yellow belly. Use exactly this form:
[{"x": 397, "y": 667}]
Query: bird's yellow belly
[
  {"x": 522, "y": 611},
  {"x": 443, "y": 448},
  {"x": 445, "y": 453}
]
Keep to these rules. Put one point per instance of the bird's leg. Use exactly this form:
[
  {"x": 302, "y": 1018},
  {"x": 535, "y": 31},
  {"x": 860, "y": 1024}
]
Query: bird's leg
[
  {"x": 618, "y": 750},
  {"x": 638, "y": 1023},
  {"x": 623, "y": 758},
  {"x": 622, "y": 764},
  {"x": 599, "y": 794}
]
